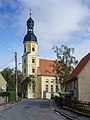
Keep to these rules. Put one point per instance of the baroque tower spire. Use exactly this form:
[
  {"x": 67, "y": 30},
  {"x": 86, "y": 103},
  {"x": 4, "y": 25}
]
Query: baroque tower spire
[
  {"x": 30, "y": 24},
  {"x": 30, "y": 36}
]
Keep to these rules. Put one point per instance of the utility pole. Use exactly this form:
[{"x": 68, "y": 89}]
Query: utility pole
[{"x": 16, "y": 76}]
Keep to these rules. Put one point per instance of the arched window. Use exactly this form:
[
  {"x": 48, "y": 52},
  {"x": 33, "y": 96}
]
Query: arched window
[
  {"x": 24, "y": 70},
  {"x": 33, "y": 49},
  {"x": 33, "y": 60},
  {"x": 33, "y": 70}
]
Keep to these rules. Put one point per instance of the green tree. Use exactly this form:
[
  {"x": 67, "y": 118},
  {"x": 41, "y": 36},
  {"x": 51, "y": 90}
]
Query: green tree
[
  {"x": 28, "y": 81},
  {"x": 63, "y": 64},
  {"x": 9, "y": 76}
]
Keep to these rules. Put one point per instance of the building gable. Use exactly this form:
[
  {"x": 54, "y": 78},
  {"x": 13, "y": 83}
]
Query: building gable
[
  {"x": 2, "y": 80},
  {"x": 79, "y": 67}
]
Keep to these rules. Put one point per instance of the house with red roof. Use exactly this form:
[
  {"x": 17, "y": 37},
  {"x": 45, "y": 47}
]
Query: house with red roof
[
  {"x": 41, "y": 69},
  {"x": 79, "y": 80}
]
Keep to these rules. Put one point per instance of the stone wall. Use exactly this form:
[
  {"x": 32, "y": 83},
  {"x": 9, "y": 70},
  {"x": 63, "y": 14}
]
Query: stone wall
[{"x": 3, "y": 100}]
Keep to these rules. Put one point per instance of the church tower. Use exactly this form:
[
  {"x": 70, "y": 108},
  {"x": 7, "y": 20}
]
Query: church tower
[
  {"x": 30, "y": 60},
  {"x": 43, "y": 80}
]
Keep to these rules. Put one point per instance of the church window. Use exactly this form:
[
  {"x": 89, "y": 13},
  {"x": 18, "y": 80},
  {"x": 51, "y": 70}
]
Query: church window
[
  {"x": 24, "y": 70},
  {"x": 33, "y": 60},
  {"x": 24, "y": 61},
  {"x": 33, "y": 49},
  {"x": 33, "y": 70},
  {"x": 51, "y": 81},
  {"x": 24, "y": 49},
  {"x": 46, "y": 88},
  {"x": 56, "y": 88},
  {"x": 51, "y": 88},
  {"x": 47, "y": 80},
  {"x": 33, "y": 88}
]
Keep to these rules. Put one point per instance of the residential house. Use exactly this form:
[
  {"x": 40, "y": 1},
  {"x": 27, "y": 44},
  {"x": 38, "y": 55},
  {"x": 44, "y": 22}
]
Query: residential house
[
  {"x": 3, "y": 83},
  {"x": 79, "y": 80}
]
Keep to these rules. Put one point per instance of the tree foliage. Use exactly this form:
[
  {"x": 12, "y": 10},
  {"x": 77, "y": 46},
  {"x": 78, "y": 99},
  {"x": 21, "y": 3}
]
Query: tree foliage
[
  {"x": 28, "y": 81},
  {"x": 63, "y": 64},
  {"x": 9, "y": 76}
]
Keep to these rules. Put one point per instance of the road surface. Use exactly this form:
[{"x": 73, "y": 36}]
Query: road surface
[{"x": 32, "y": 109}]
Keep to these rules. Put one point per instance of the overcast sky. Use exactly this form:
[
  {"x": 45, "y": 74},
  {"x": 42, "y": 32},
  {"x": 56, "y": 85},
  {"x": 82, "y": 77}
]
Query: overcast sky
[{"x": 57, "y": 22}]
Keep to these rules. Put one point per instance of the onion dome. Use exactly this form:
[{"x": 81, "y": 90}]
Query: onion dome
[{"x": 30, "y": 31}]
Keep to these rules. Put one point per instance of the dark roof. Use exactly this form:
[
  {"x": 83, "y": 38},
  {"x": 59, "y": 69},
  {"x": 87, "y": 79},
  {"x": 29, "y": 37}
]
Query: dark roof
[
  {"x": 30, "y": 37},
  {"x": 79, "y": 67},
  {"x": 30, "y": 20}
]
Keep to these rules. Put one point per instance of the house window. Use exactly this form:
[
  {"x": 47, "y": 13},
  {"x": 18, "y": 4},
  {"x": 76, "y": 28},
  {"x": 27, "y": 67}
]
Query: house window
[
  {"x": 33, "y": 60},
  {"x": 46, "y": 88},
  {"x": 70, "y": 85},
  {"x": 56, "y": 88},
  {"x": 33, "y": 70},
  {"x": 75, "y": 85},
  {"x": 51, "y": 88},
  {"x": 33, "y": 49},
  {"x": 24, "y": 70}
]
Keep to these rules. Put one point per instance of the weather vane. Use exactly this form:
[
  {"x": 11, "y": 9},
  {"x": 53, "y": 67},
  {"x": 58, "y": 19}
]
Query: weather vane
[{"x": 30, "y": 12}]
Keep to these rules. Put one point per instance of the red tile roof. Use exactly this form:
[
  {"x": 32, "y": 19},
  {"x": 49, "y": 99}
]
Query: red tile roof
[
  {"x": 45, "y": 67},
  {"x": 79, "y": 67}
]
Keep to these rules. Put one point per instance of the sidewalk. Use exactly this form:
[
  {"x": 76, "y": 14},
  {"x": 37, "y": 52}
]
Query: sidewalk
[
  {"x": 67, "y": 113},
  {"x": 10, "y": 104}
]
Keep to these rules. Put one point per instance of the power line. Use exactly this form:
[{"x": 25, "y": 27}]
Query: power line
[
  {"x": 7, "y": 47},
  {"x": 7, "y": 63},
  {"x": 5, "y": 52},
  {"x": 5, "y": 43}
]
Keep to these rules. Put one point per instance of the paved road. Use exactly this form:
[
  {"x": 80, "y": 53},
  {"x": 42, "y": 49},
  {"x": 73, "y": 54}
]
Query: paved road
[{"x": 36, "y": 109}]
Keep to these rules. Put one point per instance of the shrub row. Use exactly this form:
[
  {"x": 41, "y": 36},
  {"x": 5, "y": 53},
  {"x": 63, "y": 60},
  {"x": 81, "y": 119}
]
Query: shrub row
[{"x": 10, "y": 94}]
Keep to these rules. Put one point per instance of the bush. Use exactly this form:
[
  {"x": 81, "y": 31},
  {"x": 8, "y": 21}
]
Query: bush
[
  {"x": 12, "y": 95},
  {"x": 1, "y": 93}
]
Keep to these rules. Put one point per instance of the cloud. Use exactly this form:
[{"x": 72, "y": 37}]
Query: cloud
[
  {"x": 55, "y": 21},
  {"x": 82, "y": 49}
]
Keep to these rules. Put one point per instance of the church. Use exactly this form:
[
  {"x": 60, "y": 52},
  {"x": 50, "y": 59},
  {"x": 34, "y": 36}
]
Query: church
[{"x": 42, "y": 70}]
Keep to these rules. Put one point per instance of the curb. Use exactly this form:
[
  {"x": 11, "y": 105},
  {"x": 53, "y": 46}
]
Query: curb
[
  {"x": 77, "y": 112},
  {"x": 62, "y": 113},
  {"x": 13, "y": 103},
  {"x": 55, "y": 108},
  {"x": 65, "y": 115}
]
